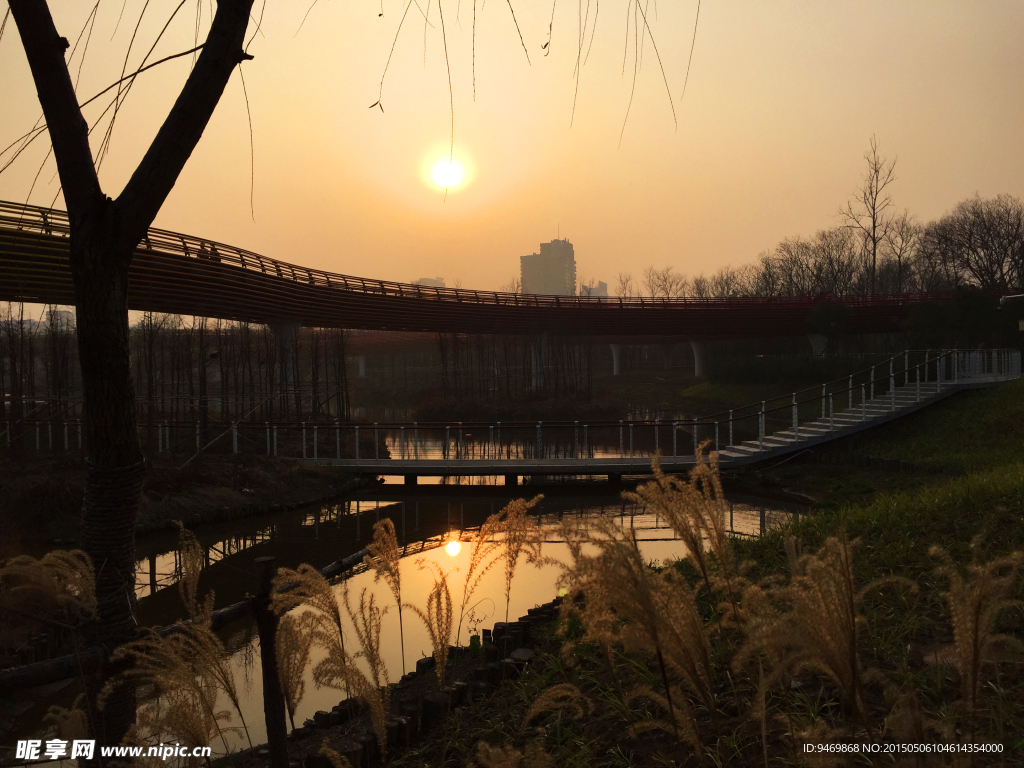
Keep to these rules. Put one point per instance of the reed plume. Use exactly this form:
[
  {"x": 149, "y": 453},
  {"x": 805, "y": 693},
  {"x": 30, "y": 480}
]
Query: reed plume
[
  {"x": 192, "y": 560},
  {"x": 180, "y": 671},
  {"x": 70, "y": 723},
  {"x": 483, "y": 555},
  {"x": 564, "y": 697},
  {"x": 818, "y": 625},
  {"x": 60, "y": 585},
  {"x": 384, "y": 560},
  {"x": 975, "y": 601},
  {"x": 186, "y": 666},
  {"x": 307, "y": 587},
  {"x": 367, "y": 624},
  {"x": 510, "y": 757},
  {"x": 695, "y": 509},
  {"x": 630, "y": 604},
  {"x": 438, "y": 618},
  {"x": 293, "y": 642},
  {"x": 518, "y": 535},
  {"x": 333, "y": 757}
]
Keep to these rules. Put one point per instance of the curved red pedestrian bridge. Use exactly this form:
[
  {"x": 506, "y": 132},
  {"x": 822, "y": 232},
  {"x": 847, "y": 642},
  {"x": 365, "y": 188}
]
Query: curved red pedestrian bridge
[{"x": 181, "y": 274}]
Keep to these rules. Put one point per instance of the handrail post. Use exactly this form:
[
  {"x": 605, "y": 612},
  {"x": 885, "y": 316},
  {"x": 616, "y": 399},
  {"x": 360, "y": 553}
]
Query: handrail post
[
  {"x": 917, "y": 383},
  {"x": 872, "y": 382},
  {"x": 796, "y": 421},
  {"x": 621, "y": 454},
  {"x": 586, "y": 444},
  {"x": 760, "y": 428},
  {"x": 575, "y": 439},
  {"x": 376, "y": 441},
  {"x": 499, "y": 439},
  {"x": 357, "y": 443},
  {"x": 831, "y": 414},
  {"x": 275, "y": 439},
  {"x": 656, "y": 446},
  {"x": 537, "y": 453},
  {"x": 716, "y": 436},
  {"x": 337, "y": 437},
  {"x": 315, "y": 442},
  {"x": 460, "y": 440},
  {"x": 675, "y": 427},
  {"x": 303, "y": 439},
  {"x": 823, "y": 400},
  {"x": 863, "y": 405},
  {"x": 631, "y": 440},
  {"x": 415, "y": 440},
  {"x": 695, "y": 438},
  {"x": 849, "y": 395},
  {"x": 892, "y": 387},
  {"x": 730, "y": 427},
  {"x": 401, "y": 442}
]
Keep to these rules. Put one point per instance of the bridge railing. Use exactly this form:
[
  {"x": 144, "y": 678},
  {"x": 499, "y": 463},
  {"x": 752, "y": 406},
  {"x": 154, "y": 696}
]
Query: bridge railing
[
  {"x": 54, "y": 222},
  {"x": 910, "y": 376}
]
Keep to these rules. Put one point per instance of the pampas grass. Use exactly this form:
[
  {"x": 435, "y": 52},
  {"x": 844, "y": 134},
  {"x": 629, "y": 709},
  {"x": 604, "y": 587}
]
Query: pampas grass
[
  {"x": 975, "y": 600},
  {"x": 519, "y": 533},
  {"x": 333, "y": 757},
  {"x": 630, "y": 604},
  {"x": 384, "y": 559},
  {"x": 293, "y": 642},
  {"x": 338, "y": 669},
  {"x": 60, "y": 585},
  {"x": 483, "y": 554},
  {"x": 564, "y": 697},
  {"x": 819, "y": 626},
  {"x": 438, "y": 617}
]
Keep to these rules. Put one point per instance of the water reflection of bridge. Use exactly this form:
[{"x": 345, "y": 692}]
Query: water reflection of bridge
[{"x": 424, "y": 520}]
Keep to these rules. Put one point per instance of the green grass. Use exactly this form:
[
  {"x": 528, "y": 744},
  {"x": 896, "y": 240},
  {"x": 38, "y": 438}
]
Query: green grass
[{"x": 971, "y": 431}]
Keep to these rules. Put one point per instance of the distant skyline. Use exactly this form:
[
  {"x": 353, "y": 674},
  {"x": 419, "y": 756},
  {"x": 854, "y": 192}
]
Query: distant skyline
[{"x": 781, "y": 102}]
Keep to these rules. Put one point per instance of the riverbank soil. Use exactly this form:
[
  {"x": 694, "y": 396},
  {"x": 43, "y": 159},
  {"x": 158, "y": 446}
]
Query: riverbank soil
[{"x": 42, "y": 497}]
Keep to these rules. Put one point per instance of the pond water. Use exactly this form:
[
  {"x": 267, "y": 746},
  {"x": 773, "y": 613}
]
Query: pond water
[{"x": 425, "y": 517}]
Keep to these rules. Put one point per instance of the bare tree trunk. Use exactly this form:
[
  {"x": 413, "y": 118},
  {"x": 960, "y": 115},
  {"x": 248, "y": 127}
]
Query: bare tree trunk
[{"x": 104, "y": 234}]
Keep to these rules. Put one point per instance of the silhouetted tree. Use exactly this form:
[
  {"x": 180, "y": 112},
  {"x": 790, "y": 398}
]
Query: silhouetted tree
[{"x": 104, "y": 233}]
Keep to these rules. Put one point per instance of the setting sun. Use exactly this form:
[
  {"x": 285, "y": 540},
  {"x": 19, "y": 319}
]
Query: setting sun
[
  {"x": 447, "y": 174},
  {"x": 453, "y": 547}
]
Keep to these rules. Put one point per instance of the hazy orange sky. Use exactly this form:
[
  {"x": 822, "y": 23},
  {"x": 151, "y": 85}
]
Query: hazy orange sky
[{"x": 781, "y": 102}]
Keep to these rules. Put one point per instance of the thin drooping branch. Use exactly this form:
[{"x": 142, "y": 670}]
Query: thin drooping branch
[
  {"x": 139, "y": 71},
  {"x": 693, "y": 44},
  {"x": 514, "y": 21}
]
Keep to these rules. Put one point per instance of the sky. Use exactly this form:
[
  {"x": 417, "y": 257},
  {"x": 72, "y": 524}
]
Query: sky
[{"x": 768, "y": 141}]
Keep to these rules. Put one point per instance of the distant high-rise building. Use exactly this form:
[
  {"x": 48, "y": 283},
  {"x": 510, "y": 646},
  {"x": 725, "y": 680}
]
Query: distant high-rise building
[
  {"x": 552, "y": 271},
  {"x": 433, "y": 282}
]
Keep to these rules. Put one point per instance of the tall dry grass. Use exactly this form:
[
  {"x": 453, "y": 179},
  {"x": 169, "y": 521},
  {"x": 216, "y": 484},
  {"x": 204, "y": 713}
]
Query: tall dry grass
[
  {"x": 975, "y": 601},
  {"x": 59, "y": 587},
  {"x": 293, "y": 642},
  {"x": 520, "y": 534},
  {"x": 811, "y": 623},
  {"x": 384, "y": 559},
  {"x": 484, "y": 553},
  {"x": 438, "y": 617},
  {"x": 629, "y": 604},
  {"x": 187, "y": 669},
  {"x": 338, "y": 669}
]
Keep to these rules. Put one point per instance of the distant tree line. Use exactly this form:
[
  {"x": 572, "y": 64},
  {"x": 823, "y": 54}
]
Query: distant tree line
[{"x": 980, "y": 243}]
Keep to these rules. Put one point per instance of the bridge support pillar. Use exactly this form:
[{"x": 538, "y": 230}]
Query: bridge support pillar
[
  {"x": 511, "y": 479},
  {"x": 615, "y": 479},
  {"x": 412, "y": 479},
  {"x": 616, "y": 359},
  {"x": 699, "y": 349},
  {"x": 819, "y": 343}
]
